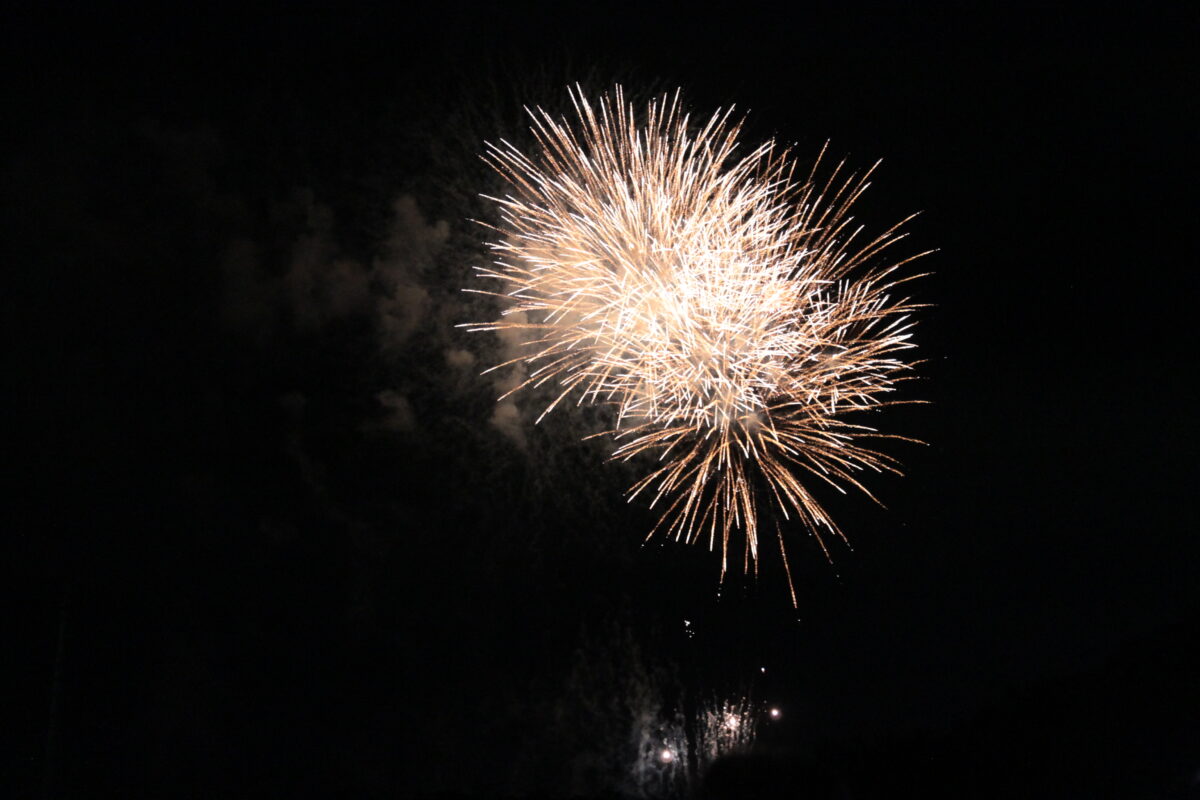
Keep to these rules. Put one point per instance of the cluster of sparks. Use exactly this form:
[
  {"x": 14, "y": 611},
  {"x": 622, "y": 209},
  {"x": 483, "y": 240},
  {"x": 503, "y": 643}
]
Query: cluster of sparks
[{"x": 727, "y": 308}]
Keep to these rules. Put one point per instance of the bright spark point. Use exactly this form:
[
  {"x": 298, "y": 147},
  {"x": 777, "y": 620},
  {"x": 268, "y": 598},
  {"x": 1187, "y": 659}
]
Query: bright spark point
[
  {"x": 666, "y": 756},
  {"x": 732, "y": 722},
  {"x": 776, "y": 713},
  {"x": 730, "y": 313}
]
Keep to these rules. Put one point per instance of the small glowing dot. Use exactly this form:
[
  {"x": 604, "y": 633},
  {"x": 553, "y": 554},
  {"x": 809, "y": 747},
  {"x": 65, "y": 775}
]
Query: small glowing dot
[
  {"x": 776, "y": 713},
  {"x": 763, "y": 670},
  {"x": 666, "y": 756}
]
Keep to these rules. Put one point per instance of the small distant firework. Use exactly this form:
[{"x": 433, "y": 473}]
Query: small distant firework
[
  {"x": 730, "y": 311},
  {"x": 727, "y": 728}
]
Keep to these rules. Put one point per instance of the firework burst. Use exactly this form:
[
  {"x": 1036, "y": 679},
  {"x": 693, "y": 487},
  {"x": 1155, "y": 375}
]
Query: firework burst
[{"x": 728, "y": 309}]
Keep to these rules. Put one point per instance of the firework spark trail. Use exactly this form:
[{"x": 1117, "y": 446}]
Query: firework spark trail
[{"x": 731, "y": 312}]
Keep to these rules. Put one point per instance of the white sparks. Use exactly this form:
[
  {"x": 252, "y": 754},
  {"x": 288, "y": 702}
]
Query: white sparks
[{"x": 731, "y": 313}]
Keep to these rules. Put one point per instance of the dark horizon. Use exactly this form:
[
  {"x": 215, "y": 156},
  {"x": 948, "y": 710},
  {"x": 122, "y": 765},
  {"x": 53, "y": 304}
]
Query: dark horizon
[{"x": 275, "y": 539}]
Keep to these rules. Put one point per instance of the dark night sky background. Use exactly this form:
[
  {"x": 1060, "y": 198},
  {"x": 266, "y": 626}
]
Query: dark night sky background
[{"x": 272, "y": 537}]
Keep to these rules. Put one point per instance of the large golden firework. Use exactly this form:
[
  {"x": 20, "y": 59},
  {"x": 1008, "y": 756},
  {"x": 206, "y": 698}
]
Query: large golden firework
[{"x": 730, "y": 310}]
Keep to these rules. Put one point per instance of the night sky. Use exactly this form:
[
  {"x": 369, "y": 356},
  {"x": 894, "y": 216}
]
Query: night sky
[{"x": 272, "y": 536}]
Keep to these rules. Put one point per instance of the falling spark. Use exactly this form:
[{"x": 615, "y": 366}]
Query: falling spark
[
  {"x": 776, "y": 713},
  {"x": 730, "y": 312}
]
